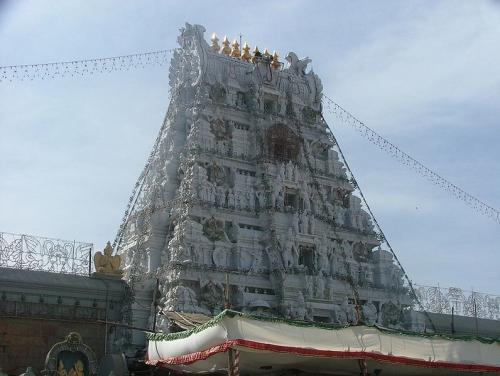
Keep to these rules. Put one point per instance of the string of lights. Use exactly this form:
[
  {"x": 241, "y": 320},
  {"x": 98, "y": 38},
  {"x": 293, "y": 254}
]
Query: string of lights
[
  {"x": 80, "y": 68},
  {"x": 378, "y": 230},
  {"x": 347, "y": 118}
]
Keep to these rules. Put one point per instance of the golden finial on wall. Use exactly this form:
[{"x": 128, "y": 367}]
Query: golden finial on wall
[
  {"x": 256, "y": 54},
  {"x": 226, "y": 50},
  {"x": 106, "y": 263},
  {"x": 215, "y": 43},
  {"x": 235, "y": 51},
  {"x": 246, "y": 55},
  {"x": 275, "y": 63}
]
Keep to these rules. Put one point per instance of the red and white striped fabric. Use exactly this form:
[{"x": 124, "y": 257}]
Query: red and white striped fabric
[{"x": 265, "y": 345}]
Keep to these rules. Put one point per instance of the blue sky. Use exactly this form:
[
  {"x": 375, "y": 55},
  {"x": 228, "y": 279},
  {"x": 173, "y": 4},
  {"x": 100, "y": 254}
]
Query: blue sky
[{"x": 425, "y": 74}]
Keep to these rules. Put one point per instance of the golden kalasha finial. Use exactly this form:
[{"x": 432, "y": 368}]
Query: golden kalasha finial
[
  {"x": 275, "y": 63},
  {"x": 266, "y": 54},
  {"x": 246, "y": 55},
  {"x": 256, "y": 54},
  {"x": 215, "y": 43},
  {"x": 226, "y": 50},
  {"x": 235, "y": 51}
]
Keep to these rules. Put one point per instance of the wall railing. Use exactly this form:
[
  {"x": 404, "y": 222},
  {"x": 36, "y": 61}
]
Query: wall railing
[
  {"x": 29, "y": 252},
  {"x": 437, "y": 299}
]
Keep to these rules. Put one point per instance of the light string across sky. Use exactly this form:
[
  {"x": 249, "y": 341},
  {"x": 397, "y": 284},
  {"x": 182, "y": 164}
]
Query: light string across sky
[{"x": 80, "y": 68}]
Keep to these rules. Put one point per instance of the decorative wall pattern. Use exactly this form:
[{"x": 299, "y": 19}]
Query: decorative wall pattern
[
  {"x": 45, "y": 254},
  {"x": 464, "y": 303}
]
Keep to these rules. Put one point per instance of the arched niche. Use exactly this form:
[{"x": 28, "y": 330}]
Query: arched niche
[
  {"x": 282, "y": 143},
  {"x": 71, "y": 356}
]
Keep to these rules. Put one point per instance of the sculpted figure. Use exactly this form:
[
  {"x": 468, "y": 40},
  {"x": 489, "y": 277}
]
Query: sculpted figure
[
  {"x": 349, "y": 311},
  {"x": 230, "y": 199},
  {"x": 309, "y": 286},
  {"x": 289, "y": 170},
  {"x": 257, "y": 200},
  {"x": 338, "y": 316},
  {"x": 219, "y": 198},
  {"x": 302, "y": 223},
  {"x": 311, "y": 224},
  {"x": 300, "y": 308},
  {"x": 105, "y": 263},
  {"x": 297, "y": 66},
  {"x": 339, "y": 215},
  {"x": 282, "y": 172},
  {"x": 330, "y": 288},
  {"x": 235, "y": 228},
  {"x": 369, "y": 313},
  {"x": 295, "y": 223},
  {"x": 238, "y": 200},
  {"x": 322, "y": 256},
  {"x": 61, "y": 371},
  {"x": 320, "y": 287},
  {"x": 77, "y": 369},
  {"x": 290, "y": 256},
  {"x": 210, "y": 193},
  {"x": 277, "y": 197},
  {"x": 257, "y": 262}
]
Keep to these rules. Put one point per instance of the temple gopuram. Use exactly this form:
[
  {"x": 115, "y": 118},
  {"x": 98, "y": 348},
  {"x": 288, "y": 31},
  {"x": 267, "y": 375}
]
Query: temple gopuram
[{"x": 247, "y": 249}]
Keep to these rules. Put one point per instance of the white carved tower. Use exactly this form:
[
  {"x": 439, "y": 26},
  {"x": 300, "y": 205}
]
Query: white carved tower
[{"x": 245, "y": 191}]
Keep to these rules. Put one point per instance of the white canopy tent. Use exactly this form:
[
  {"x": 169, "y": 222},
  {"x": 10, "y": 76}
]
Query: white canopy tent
[{"x": 268, "y": 345}]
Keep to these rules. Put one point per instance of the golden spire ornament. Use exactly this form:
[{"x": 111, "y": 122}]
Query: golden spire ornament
[
  {"x": 235, "y": 51},
  {"x": 266, "y": 54},
  {"x": 275, "y": 63},
  {"x": 215, "y": 43},
  {"x": 256, "y": 54},
  {"x": 246, "y": 55},
  {"x": 226, "y": 50}
]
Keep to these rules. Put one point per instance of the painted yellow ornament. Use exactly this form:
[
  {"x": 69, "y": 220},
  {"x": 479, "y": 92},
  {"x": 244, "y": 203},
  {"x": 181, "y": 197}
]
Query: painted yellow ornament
[
  {"x": 226, "y": 50},
  {"x": 215, "y": 43},
  {"x": 275, "y": 62},
  {"x": 235, "y": 51},
  {"x": 246, "y": 55}
]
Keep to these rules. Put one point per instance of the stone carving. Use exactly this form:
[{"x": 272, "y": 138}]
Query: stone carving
[
  {"x": 71, "y": 358},
  {"x": 390, "y": 314},
  {"x": 235, "y": 190},
  {"x": 290, "y": 252},
  {"x": 213, "y": 229},
  {"x": 297, "y": 66},
  {"x": 218, "y": 93},
  {"x": 322, "y": 264},
  {"x": 212, "y": 295},
  {"x": 220, "y": 129},
  {"x": 369, "y": 312},
  {"x": 298, "y": 309},
  {"x": 320, "y": 287},
  {"x": 348, "y": 310},
  {"x": 217, "y": 174},
  {"x": 182, "y": 298},
  {"x": 330, "y": 289},
  {"x": 338, "y": 316},
  {"x": 106, "y": 263},
  {"x": 235, "y": 230}
]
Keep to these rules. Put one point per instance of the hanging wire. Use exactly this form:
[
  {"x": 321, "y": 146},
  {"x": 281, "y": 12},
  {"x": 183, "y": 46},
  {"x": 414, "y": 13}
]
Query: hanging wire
[
  {"x": 378, "y": 229},
  {"x": 80, "y": 68},
  {"x": 347, "y": 118}
]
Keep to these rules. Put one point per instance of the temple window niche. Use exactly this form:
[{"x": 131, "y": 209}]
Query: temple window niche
[
  {"x": 306, "y": 258},
  {"x": 282, "y": 144}
]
